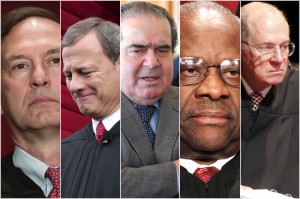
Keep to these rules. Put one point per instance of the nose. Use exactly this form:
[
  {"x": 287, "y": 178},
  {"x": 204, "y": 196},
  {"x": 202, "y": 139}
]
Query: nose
[
  {"x": 212, "y": 87},
  {"x": 277, "y": 56},
  {"x": 75, "y": 84},
  {"x": 40, "y": 76},
  {"x": 150, "y": 59}
]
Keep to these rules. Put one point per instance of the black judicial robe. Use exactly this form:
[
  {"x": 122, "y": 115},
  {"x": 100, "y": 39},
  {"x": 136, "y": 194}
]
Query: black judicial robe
[
  {"x": 270, "y": 139},
  {"x": 225, "y": 184},
  {"x": 90, "y": 169},
  {"x": 15, "y": 184}
]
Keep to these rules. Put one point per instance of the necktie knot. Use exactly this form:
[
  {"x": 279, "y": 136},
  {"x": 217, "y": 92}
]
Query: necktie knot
[
  {"x": 256, "y": 98},
  {"x": 205, "y": 174},
  {"x": 54, "y": 176},
  {"x": 145, "y": 112},
  {"x": 99, "y": 131}
]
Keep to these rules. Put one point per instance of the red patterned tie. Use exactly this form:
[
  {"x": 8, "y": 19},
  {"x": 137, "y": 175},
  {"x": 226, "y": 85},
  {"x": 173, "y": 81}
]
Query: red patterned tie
[
  {"x": 99, "y": 131},
  {"x": 206, "y": 173},
  {"x": 54, "y": 176}
]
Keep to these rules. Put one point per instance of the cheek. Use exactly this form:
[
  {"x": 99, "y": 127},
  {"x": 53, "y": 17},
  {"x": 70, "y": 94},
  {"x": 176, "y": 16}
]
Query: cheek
[
  {"x": 185, "y": 96},
  {"x": 127, "y": 69},
  {"x": 236, "y": 100},
  {"x": 167, "y": 68}
]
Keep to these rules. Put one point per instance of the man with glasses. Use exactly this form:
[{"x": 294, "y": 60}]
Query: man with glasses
[
  {"x": 209, "y": 101},
  {"x": 270, "y": 102}
]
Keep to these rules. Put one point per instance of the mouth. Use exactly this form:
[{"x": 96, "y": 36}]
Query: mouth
[
  {"x": 149, "y": 78},
  {"x": 82, "y": 97},
  {"x": 42, "y": 99},
  {"x": 211, "y": 117},
  {"x": 276, "y": 71}
]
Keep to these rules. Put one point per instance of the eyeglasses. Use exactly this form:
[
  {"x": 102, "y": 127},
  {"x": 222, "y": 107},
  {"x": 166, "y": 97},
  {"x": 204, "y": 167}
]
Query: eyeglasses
[
  {"x": 193, "y": 70},
  {"x": 269, "y": 49}
]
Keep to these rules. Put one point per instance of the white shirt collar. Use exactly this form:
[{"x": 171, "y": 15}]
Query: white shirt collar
[
  {"x": 249, "y": 90},
  {"x": 109, "y": 121},
  {"x": 33, "y": 168},
  {"x": 191, "y": 165}
]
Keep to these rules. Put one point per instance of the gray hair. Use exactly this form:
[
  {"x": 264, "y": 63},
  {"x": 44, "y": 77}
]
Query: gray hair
[
  {"x": 108, "y": 34},
  {"x": 143, "y": 8}
]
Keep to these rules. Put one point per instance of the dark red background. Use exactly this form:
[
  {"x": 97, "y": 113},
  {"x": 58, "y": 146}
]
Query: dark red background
[{"x": 71, "y": 12}]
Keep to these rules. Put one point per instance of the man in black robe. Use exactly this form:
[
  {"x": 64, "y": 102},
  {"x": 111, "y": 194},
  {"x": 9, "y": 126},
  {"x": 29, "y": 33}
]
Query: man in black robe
[
  {"x": 270, "y": 121},
  {"x": 209, "y": 101},
  {"x": 90, "y": 158},
  {"x": 30, "y": 75}
]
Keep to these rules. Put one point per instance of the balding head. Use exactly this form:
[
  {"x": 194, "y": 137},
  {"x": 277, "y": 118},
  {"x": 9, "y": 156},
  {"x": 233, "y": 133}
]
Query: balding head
[
  {"x": 255, "y": 12},
  {"x": 208, "y": 12},
  {"x": 207, "y": 22},
  {"x": 264, "y": 27}
]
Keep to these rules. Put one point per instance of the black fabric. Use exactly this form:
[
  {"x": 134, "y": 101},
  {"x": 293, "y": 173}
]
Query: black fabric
[
  {"x": 270, "y": 139},
  {"x": 90, "y": 169},
  {"x": 223, "y": 185},
  {"x": 15, "y": 184}
]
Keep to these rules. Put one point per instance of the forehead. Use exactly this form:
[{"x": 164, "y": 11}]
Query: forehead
[
  {"x": 145, "y": 29},
  {"x": 34, "y": 26},
  {"x": 268, "y": 27},
  {"x": 32, "y": 34},
  {"x": 211, "y": 39}
]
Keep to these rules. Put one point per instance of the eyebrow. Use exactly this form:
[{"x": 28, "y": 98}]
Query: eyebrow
[
  {"x": 137, "y": 46},
  {"x": 21, "y": 56},
  {"x": 164, "y": 46},
  {"x": 146, "y": 46},
  {"x": 53, "y": 51}
]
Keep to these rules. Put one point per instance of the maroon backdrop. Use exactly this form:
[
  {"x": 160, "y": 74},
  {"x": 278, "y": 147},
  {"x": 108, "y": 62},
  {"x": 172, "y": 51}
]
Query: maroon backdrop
[{"x": 71, "y": 12}]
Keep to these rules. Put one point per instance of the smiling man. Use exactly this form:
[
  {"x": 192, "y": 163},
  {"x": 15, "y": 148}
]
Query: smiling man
[
  {"x": 209, "y": 101},
  {"x": 149, "y": 103},
  {"x": 90, "y": 157},
  {"x": 30, "y": 98},
  {"x": 270, "y": 102}
]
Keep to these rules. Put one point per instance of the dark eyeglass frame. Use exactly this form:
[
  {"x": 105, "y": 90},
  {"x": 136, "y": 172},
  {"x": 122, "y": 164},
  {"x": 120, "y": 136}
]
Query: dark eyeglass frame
[
  {"x": 273, "y": 49},
  {"x": 202, "y": 76}
]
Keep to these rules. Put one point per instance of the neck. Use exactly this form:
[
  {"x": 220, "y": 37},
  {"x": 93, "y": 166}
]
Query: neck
[
  {"x": 207, "y": 157},
  {"x": 254, "y": 85},
  {"x": 43, "y": 144}
]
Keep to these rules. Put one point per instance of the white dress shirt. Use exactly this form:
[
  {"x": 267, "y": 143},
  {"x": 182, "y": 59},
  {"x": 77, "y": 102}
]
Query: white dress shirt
[
  {"x": 191, "y": 165},
  {"x": 249, "y": 90},
  {"x": 33, "y": 168},
  {"x": 108, "y": 122}
]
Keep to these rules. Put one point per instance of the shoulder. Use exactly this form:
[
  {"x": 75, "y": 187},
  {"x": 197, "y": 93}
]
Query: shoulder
[
  {"x": 82, "y": 134},
  {"x": 171, "y": 98},
  {"x": 12, "y": 178}
]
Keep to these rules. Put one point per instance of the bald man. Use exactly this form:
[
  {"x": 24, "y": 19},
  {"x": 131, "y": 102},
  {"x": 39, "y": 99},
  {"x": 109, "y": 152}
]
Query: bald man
[
  {"x": 210, "y": 104},
  {"x": 270, "y": 102}
]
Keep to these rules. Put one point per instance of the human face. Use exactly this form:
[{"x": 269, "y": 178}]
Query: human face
[
  {"x": 146, "y": 58},
  {"x": 31, "y": 75},
  {"x": 260, "y": 71},
  {"x": 92, "y": 79},
  {"x": 209, "y": 110}
]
